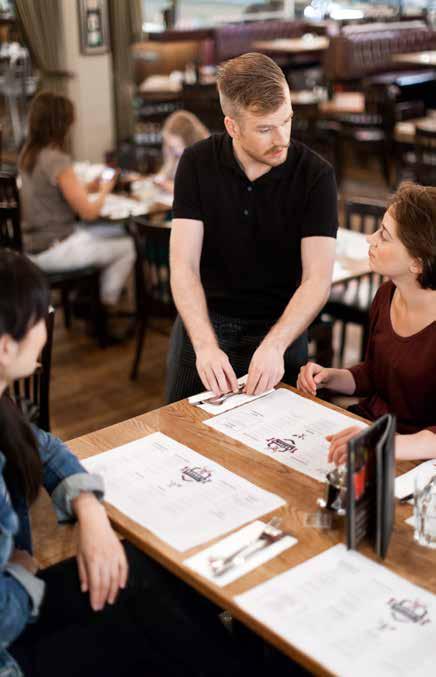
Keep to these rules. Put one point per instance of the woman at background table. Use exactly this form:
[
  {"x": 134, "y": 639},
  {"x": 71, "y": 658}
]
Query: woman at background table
[
  {"x": 181, "y": 129},
  {"x": 146, "y": 620},
  {"x": 52, "y": 196},
  {"x": 399, "y": 371}
]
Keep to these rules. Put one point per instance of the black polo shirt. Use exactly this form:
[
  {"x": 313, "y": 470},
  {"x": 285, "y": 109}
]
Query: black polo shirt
[{"x": 251, "y": 258}]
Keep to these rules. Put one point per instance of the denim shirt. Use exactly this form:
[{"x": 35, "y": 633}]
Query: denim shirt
[{"x": 21, "y": 592}]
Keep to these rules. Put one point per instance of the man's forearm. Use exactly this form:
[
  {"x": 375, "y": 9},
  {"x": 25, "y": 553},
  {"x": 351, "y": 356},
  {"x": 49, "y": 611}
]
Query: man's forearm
[
  {"x": 303, "y": 307},
  {"x": 421, "y": 445},
  {"x": 190, "y": 300}
]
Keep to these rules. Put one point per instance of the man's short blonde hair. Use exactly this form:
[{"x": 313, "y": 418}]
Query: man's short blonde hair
[{"x": 252, "y": 82}]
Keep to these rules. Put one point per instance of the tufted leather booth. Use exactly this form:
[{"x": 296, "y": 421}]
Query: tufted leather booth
[
  {"x": 234, "y": 39},
  {"x": 366, "y": 49}
]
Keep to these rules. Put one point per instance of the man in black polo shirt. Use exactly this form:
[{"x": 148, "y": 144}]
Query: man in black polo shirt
[{"x": 252, "y": 242}]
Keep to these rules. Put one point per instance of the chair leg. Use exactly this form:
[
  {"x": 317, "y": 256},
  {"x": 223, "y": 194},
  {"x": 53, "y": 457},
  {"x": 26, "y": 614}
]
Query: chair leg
[
  {"x": 140, "y": 335},
  {"x": 100, "y": 315},
  {"x": 66, "y": 306},
  {"x": 342, "y": 344}
]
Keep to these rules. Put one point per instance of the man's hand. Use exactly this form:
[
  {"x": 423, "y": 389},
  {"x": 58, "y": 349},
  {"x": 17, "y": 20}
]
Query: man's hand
[
  {"x": 215, "y": 370},
  {"x": 311, "y": 377},
  {"x": 266, "y": 369},
  {"x": 338, "y": 444},
  {"x": 24, "y": 559},
  {"x": 101, "y": 560}
]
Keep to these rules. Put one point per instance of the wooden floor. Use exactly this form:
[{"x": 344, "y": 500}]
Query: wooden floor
[{"x": 90, "y": 387}]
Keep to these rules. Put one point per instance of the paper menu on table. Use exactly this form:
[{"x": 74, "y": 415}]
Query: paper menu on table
[
  {"x": 405, "y": 484},
  {"x": 287, "y": 427},
  {"x": 353, "y": 616},
  {"x": 181, "y": 496},
  {"x": 228, "y": 545}
]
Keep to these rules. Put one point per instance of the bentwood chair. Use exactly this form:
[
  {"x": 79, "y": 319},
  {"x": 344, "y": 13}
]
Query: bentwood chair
[
  {"x": 32, "y": 394},
  {"x": 152, "y": 289},
  {"x": 350, "y": 302},
  {"x": 425, "y": 153},
  {"x": 10, "y": 221}
]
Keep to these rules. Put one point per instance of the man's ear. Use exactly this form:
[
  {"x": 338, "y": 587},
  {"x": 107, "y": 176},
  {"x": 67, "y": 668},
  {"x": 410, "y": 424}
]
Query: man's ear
[{"x": 231, "y": 126}]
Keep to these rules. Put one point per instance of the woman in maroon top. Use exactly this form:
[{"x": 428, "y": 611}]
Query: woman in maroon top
[{"x": 399, "y": 371}]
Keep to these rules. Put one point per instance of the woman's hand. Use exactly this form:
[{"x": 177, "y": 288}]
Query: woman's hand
[
  {"x": 312, "y": 376},
  {"x": 338, "y": 444},
  {"x": 93, "y": 186},
  {"x": 101, "y": 560}
]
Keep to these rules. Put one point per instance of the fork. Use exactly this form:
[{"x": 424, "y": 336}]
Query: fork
[{"x": 268, "y": 535}]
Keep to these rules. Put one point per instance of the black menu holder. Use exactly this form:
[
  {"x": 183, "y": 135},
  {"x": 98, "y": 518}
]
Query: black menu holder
[{"x": 370, "y": 498}]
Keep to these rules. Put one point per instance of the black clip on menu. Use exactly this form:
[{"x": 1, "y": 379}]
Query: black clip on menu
[{"x": 370, "y": 497}]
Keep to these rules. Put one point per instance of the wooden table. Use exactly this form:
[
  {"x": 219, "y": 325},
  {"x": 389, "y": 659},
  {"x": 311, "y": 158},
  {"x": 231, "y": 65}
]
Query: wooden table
[
  {"x": 405, "y": 131},
  {"x": 293, "y": 46},
  {"x": 183, "y": 423},
  {"x": 422, "y": 59}
]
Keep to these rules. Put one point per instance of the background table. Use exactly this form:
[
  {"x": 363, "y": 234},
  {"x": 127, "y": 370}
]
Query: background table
[{"x": 183, "y": 423}]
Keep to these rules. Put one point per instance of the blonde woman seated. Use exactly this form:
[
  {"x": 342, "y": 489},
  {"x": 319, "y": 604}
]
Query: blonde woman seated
[
  {"x": 181, "y": 129},
  {"x": 399, "y": 371},
  {"x": 52, "y": 196}
]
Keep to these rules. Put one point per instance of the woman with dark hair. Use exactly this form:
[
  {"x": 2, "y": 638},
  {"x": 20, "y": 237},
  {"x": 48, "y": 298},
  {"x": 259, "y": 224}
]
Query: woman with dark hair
[
  {"x": 52, "y": 196},
  {"x": 398, "y": 374},
  {"x": 47, "y": 625}
]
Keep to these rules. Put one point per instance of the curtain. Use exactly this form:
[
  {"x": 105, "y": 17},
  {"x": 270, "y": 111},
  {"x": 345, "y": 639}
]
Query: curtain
[
  {"x": 41, "y": 24},
  {"x": 126, "y": 28}
]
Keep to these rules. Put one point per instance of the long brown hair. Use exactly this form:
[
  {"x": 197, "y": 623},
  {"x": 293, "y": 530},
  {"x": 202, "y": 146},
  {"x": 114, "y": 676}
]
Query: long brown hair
[
  {"x": 50, "y": 118},
  {"x": 414, "y": 209}
]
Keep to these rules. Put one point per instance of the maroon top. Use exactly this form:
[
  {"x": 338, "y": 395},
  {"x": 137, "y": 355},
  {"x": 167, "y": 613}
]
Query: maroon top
[{"x": 399, "y": 373}]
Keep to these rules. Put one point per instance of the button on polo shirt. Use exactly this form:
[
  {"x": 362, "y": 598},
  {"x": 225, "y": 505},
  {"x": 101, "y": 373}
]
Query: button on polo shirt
[{"x": 251, "y": 257}]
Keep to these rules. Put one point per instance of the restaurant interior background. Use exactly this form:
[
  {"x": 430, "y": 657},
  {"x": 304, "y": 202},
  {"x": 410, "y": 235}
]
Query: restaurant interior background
[{"x": 363, "y": 82}]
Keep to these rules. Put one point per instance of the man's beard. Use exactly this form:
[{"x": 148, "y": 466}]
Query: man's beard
[{"x": 269, "y": 159}]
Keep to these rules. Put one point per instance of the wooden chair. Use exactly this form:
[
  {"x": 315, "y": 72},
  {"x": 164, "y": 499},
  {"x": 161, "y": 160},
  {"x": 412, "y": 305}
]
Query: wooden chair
[
  {"x": 350, "y": 303},
  {"x": 153, "y": 296},
  {"x": 64, "y": 281},
  {"x": 371, "y": 132},
  {"x": 32, "y": 394},
  {"x": 425, "y": 153},
  {"x": 10, "y": 228}
]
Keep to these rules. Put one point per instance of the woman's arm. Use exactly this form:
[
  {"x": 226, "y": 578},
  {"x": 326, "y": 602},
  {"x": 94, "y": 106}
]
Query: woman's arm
[
  {"x": 75, "y": 493},
  {"x": 313, "y": 376},
  {"x": 418, "y": 446},
  {"x": 21, "y": 592},
  {"x": 76, "y": 195},
  {"x": 101, "y": 559}
]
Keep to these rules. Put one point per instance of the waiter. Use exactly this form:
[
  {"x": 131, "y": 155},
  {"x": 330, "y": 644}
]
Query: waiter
[{"x": 252, "y": 242}]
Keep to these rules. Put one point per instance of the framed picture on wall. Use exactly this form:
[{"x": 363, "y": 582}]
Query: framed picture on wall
[{"x": 94, "y": 26}]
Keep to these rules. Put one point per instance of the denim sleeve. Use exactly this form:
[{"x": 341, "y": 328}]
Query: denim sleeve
[
  {"x": 20, "y": 592},
  {"x": 64, "y": 476},
  {"x": 15, "y": 609}
]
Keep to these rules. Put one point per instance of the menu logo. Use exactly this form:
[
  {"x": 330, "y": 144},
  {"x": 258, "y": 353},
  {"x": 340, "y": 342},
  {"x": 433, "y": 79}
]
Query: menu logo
[
  {"x": 196, "y": 474},
  {"x": 409, "y": 611}
]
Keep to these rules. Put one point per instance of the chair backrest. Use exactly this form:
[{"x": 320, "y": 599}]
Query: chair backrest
[
  {"x": 363, "y": 215},
  {"x": 32, "y": 394},
  {"x": 425, "y": 151},
  {"x": 10, "y": 218},
  {"x": 151, "y": 237}
]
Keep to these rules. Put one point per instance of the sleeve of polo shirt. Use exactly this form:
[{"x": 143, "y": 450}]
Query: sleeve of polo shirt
[
  {"x": 187, "y": 204},
  {"x": 321, "y": 209}
]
